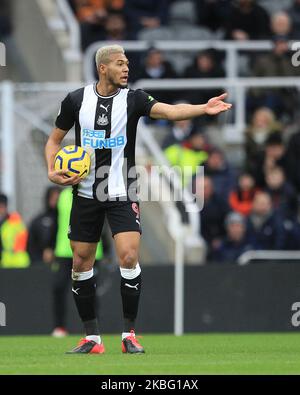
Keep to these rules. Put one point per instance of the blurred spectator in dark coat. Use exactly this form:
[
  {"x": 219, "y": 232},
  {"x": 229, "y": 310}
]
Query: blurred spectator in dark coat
[
  {"x": 263, "y": 124},
  {"x": 179, "y": 131},
  {"x": 264, "y": 225},
  {"x": 283, "y": 195},
  {"x": 42, "y": 230},
  {"x": 272, "y": 156},
  {"x": 115, "y": 28},
  {"x": 292, "y": 234},
  {"x": 276, "y": 63},
  {"x": 204, "y": 66},
  {"x": 213, "y": 214},
  {"x": 294, "y": 14},
  {"x": 248, "y": 21},
  {"x": 143, "y": 14},
  {"x": 293, "y": 160},
  {"x": 236, "y": 242},
  {"x": 155, "y": 66},
  {"x": 213, "y": 14},
  {"x": 223, "y": 176},
  {"x": 5, "y": 20},
  {"x": 241, "y": 198}
]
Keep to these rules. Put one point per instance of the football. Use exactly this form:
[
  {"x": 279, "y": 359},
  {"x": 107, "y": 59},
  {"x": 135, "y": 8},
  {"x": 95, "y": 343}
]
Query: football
[{"x": 75, "y": 159}]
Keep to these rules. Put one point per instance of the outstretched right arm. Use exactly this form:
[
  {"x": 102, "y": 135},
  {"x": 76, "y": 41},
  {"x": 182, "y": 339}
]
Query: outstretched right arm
[{"x": 53, "y": 145}]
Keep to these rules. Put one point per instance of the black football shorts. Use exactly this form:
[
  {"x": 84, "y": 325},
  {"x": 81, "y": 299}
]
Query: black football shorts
[{"x": 87, "y": 218}]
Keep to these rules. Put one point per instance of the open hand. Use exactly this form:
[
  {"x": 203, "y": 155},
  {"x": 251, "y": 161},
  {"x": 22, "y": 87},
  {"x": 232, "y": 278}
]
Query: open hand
[{"x": 216, "y": 105}]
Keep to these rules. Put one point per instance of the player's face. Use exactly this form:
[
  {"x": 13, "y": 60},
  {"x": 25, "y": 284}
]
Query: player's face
[{"x": 117, "y": 70}]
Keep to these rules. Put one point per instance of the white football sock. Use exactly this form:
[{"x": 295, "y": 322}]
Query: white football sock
[
  {"x": 130, "y": 274},
  {"x": 126, "y": 334},
  {"x": 95, "y": 338},
  {"x": 81, "y": 276}
]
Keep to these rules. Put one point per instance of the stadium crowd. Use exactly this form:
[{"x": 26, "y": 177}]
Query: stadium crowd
[
  {"x": 230, "y": 19},
  {"x": 254, "y": 206},
  {"x": 278, "y": 21}
]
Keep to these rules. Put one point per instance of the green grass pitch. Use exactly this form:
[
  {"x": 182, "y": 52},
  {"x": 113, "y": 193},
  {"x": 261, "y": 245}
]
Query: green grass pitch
[{"x": 165, "y": 354}]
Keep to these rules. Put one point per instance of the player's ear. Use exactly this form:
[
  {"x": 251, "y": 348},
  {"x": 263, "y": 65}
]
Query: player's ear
[{"x": 102, "y": 68}]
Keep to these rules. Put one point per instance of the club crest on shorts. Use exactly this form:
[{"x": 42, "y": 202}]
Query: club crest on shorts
[{"x": 136, "y": 209}]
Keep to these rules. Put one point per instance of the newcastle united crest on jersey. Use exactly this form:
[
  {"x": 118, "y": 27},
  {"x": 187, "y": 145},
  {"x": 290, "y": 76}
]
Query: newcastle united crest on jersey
[{"x": 102, "y": 120}]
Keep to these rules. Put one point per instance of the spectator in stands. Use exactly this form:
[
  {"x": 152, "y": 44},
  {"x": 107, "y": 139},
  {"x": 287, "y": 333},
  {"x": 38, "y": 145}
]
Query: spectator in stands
[
  {"x": 292, "y": 234},
  {"x": 247, "y": 21},
  {"x": 221, "y": 173},
  {"x": 263, "y": 124},
  {"x": 213, "y": 14},
  {"x": 42, "y": 230},
  {"x": 179, "y": 131},
  {"x": 5, "y": 22},
  {"x": 293, "y": 160},
  {"x": 274, "y": 155},
  {"x": 94, "y": 10},
  {"x": 236, "y": 241},
  {"x": 145, "y": 14},
  {"x": 276, "y": 63},
  {"x": 92, "y": 15},
  {"x": 281, "y": 25},
  {"x": 115, "y": 28},
  {"x": 155, "y": 66},
  {"x": 204, "y": 66},
  {"x": 264, "y": 225},
  {"x": 241, "y": 198},
  {"x": 213, "y": 214},
  {"x": 283, "y": 195},
  {"x": 188, "y": 155},
  {"x": 294, "y": 14},
  {"x": 13, "y": 238}
]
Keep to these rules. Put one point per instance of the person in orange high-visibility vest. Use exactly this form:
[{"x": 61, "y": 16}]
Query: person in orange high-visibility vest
[{"x": 13, "y": 238}]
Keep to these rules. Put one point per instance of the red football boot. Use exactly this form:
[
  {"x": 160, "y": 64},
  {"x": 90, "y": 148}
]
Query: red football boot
[
  {"x": 131, "y": 345},
  {"x": 87, "y": 347}
]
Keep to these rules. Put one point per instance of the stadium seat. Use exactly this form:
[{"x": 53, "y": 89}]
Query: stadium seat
[
  {"x": 188, "y": 32},
  {"x": 155, "y": 34},
  {"x": 182, "y": 12},
  {"x": 275, "y": 5}
]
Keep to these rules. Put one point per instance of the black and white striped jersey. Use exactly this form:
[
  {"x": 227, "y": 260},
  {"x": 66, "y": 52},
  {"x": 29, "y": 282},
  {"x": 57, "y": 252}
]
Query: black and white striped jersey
[{"x": 107, "y": 125}]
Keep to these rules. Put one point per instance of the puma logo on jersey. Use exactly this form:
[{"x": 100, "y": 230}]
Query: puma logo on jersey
[
  {"x": 132, "y": 286},
  {"x": 105, "y": 108}
]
